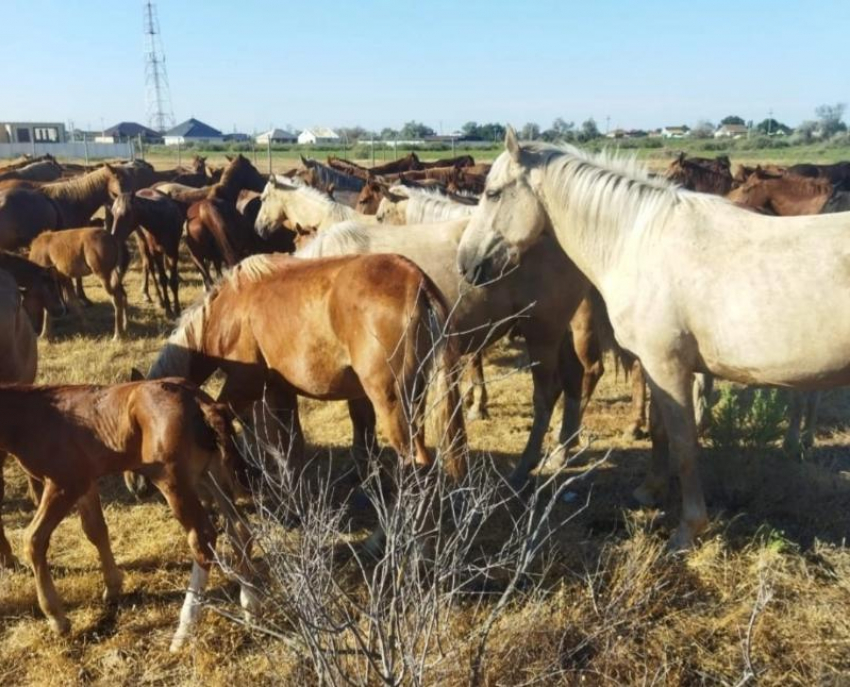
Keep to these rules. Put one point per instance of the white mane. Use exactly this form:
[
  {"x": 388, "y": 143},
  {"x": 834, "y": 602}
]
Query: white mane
[
  {"x": 605, "y": 188},
  {"x": 345, "y": 238},
  {"x": 426, "y": 205},
  {"x": 336, "y": 212}
]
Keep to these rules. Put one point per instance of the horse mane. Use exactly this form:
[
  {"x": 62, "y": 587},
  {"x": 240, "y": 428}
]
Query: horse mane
[
  {"x": 430, "y": 205},
  {"x": 606, "y": 188},
  {"x": 338, "y": 212},
  {"x": 175, "y": 357},
  {"x": 340, "y": 239},
  {"x": 79, "y": 188}
]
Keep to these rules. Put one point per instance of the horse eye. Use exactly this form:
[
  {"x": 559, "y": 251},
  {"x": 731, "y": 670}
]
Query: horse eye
[{"x": 493, "y": 195}]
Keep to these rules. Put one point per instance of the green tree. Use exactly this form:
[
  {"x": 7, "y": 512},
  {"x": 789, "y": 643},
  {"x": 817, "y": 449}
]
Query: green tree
[
  {"x": 491, "y": 132},
  {"x": 588, "y": 130},
  {"x": 703, "y": 129},
  {"x": 530, "y": 132},
  {"x": 389, "y": 134},
  {"x": 471, "y": 130},
  {"x": 414, "y": 130},
  {"x": 733, "y": 119},
  {"x": 830, "y": 119},
  {"x": 562, "y": 127},
  {"x": 771, "y": 126}
]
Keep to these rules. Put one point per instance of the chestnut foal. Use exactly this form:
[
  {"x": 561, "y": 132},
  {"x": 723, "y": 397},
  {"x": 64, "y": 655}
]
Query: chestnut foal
[{"x": 168, "y": 430}]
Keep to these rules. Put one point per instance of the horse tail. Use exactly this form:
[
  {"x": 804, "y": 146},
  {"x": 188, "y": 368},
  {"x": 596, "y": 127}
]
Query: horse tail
[
  {"x": 214, "y": 222},
  {"x": 445, "y": 372},
  {"x": 604, "y": 330}
]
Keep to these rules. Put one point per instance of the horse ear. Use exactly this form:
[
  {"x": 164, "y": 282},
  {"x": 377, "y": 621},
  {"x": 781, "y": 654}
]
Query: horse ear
[
  {"x": 229, "y": 158},
  {"x": 512, "y": 144},
  {"x": 331, "y": 189},
  {"x": 301, "y": 231},
  {"x": 136, "y": 376},
  {"x": 681, "y": 156},
  {"x": 303, "y": 160}
]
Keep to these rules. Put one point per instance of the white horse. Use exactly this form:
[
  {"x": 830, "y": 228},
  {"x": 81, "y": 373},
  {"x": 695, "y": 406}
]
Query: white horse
[
  {"x": 406, "y": 205},
  {"x": 540, "y": 299},
  {"x": 302, "y": 205},
  {"x": 692, "y": 283}
]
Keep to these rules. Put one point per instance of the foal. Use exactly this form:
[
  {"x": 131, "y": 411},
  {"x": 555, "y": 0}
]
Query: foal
[
  {"x": 168, "y": 430},
  {"x": 76, "y": 253},
  {"x": 159, "y": 221}
]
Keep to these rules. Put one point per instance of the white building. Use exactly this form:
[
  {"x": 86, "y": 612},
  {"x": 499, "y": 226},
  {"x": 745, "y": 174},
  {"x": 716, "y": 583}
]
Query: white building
[
  {"x": 318, "y": 135},
  {"x": 675, "y": 132},
  {"x": 731, "y": 131},
  {"x": 276, "y": 136}
]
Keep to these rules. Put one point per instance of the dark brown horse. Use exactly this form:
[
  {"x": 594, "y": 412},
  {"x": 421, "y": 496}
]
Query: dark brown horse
[
  {"x": 366, "y": 329},
  {"x": 158, "y": 221},
  {"x": 43, "y": 170},
  {"x": 168, "y": 430},
  {"x": 838, "y": 173},
  {"x": 24, "y": 213},
  {"x": 702, "y": 174},
  {"x": 40, "y": 288}
]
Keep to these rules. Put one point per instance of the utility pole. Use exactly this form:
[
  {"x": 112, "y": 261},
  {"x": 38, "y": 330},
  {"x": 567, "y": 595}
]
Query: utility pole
[
  {"x": 769, "y": 120},
  {"x": 158, "y": 96}
]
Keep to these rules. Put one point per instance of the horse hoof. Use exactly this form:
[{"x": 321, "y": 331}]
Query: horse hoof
[
  {"x": 113, "y": 590},
  {"x": 477, "y": 414},
  {"x": 682, "y": 541},
  {"x": 60, "y": 626},
  {"x": 635, "y": 434}
]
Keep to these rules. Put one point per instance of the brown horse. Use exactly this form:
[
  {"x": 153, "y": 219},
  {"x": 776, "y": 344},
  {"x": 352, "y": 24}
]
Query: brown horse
[
  {"x": 405, "y": 164},
  {"x": 76, "y": 253},
  {"x": 40, "y": 288},
  {"x": 838, "y": 173},
  {"x": 702, "y": 174},
  {"x": 24, "y": 213},
  {"x": 215, "y": 230},
  {"x": 168, "y": 430},
  {"x": 785, "y": 196},
  {"x": 43, "y": 170},
  {"x": 370, "y": 197},
  {"x": 366, "y": 329},
  {"x": 18, "y": 362},
  {"x": 158, "y": 221}
]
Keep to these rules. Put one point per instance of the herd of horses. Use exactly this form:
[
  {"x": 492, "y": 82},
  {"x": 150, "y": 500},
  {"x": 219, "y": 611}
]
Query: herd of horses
[{"x": 381, "y": 300}]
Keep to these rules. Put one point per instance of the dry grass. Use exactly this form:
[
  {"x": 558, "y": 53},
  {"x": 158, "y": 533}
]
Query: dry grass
[{"x": 620, "y": 612}]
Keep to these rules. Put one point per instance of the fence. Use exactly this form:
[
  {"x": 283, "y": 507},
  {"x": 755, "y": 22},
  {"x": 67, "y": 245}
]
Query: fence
[{"x": 83, "y": 150}]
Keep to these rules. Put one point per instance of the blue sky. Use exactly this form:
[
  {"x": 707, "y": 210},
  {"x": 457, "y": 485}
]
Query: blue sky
[{"x": 380, "y": 63}]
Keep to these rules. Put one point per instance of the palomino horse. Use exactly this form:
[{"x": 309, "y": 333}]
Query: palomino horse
[
  {"x": 538, "y": 298},
  {"x": 404, "y": 205},
  {"x": 24, "y": 213},
  {"x": 669, "y": 264},
  {"x": 158, "y": 221},
  {"x": 167, "y": 430},
  {"x": 76, "y": 253},
  {"x": 302, "y": 205},
  {"x": 366, "y": 329},
  {"x": 18, "y": 362}
]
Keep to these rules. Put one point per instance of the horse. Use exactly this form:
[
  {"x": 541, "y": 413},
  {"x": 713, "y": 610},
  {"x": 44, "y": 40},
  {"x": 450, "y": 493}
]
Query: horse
[
  {"x": 24, "y": 213},
  {"x": 702, "y": 174},
  {"x": 168, "y": 430},
  {"x": 540, "y": 299},
  {"x": 458, "y": 161},
  {"x": 18, "y": 363},
  {"x": 370, "y": 330},
  {"x": 158, "y": 223},
  {"x": 668, "y": 264},
  {"x": 75, "y": 253},
  {"x": 325, "y": 176},
  {"x": 786, "y": 196},
  {"x": 43, "y": 170},
  {"x": 404, "y": 164},
  {"x": 281, "y": 240},
  {"x": 303, "y": 205},
  {"x": 403, "y": 205},
  {"x": 215, "y": 230},
  {"x": 40, "y": 288},
  {"x": 837, "y": 173},
  {"x": 743, "y": 172}
]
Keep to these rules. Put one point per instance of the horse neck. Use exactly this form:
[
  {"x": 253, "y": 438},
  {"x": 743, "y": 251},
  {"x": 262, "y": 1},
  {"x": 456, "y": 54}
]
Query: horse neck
[{"x": 82, "y": 197}]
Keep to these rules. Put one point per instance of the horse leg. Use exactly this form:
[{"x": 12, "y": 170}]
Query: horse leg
[
  {"x": 55, "y": 505},
  {"x": 703, "y": 389},
  {"x": 639, "y": 398},
  {"x": 197, "y": 257},
  {"x": 174, "y": 281},
  {"x": 572, "y": 372},
  {"x": 478, "y": 410},
  {"x": 162, "y": 276},
  {"x": 363, "y": 420},
  {"x": 802, "y": 420},
  {"x": 189, "y": 512},
  {"x": 142, "y": 248},
  {"x": 7, "y": 559},
  {"x": 545, "y": 378},
  {"x": 94, "y": 527},
  {"x": 240, "y": 539},
  {"x": 588, "y": 349},
  {"x": 653, "y": 489},
  {"x": 810, "y": 419},
  {"x": 81, "y": 294},
  {"x": 119, "y": 303},
  {"x": 672, "y": 392}
]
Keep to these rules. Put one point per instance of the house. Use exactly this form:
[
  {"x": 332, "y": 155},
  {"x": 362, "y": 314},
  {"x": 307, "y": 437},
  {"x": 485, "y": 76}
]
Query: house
[
  {"x": 32, "y": 132},
  {"x": 318, "y": 135},
  {"x": 124, "y": 131},
  {"x": 731, "y": 131},
  {"x": 675, "y": 132},
  {"x": 237, "y": 137},
  {"x": 276, "y": 136},
  {"x": 192, "y": 131},
  {"x": 617, "y": 133}
]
